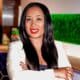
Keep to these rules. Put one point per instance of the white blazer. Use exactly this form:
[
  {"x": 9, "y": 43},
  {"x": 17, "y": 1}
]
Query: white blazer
[{"x": 16, "y": 55}]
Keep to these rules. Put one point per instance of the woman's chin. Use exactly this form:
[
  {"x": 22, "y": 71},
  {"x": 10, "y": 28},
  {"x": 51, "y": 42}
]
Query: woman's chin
[{"x": 36, "y": 36}]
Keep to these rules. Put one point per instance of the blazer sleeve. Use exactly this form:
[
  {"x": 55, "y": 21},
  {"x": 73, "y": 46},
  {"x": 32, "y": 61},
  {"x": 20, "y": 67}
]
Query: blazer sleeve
[
  {"x": 15, "y": 71},
  {"x": 13, "y": 59}
]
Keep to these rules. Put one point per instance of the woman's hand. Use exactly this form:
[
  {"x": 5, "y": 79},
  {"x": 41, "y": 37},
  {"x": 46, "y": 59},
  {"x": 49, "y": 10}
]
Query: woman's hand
[
  {"x": 23, "y": 65},
  {"x": 64, "y": 73}
]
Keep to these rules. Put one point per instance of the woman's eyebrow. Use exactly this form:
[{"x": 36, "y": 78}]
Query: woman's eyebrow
[
  {"x": 36, "y": 15},
  {"x": 28, "y": 16}
]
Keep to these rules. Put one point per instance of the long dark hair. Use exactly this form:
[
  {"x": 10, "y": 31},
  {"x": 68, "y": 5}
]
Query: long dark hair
[{"x": 49, "y": 51}]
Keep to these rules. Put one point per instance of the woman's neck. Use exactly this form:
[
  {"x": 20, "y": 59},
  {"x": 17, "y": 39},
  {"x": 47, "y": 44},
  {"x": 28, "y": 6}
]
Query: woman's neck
[{"x": 37, "y": 43}]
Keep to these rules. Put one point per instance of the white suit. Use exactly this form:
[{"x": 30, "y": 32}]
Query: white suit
[{"x": 16, "y": 55}]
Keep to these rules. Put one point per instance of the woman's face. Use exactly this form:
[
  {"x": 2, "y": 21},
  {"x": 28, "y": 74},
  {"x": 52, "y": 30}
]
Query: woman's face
[{"x": 34, "y": 22}]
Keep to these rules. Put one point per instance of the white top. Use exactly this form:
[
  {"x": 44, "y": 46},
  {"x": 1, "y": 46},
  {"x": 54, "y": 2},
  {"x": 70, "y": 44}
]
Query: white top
[{"x": 16, "y": 55}]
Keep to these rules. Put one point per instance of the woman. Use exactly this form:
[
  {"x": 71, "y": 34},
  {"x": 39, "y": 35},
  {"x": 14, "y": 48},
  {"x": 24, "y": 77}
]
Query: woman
[{"x": 36, "y": 56}]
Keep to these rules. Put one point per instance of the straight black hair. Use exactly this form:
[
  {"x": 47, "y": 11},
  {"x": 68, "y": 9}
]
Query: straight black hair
[{"x": 49, "y": 51}]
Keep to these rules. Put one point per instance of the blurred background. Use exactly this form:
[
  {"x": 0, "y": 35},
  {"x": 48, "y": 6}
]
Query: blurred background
[{"x": 65, "y": 15}]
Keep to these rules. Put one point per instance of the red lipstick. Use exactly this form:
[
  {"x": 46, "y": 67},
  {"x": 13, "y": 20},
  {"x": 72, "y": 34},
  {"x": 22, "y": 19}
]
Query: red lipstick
[{"x": 34, "y": 30}]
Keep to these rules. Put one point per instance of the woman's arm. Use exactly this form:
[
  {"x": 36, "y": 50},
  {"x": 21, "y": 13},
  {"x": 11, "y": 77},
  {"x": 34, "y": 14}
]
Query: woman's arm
[
  {"x": 14, "y": 59},
  {"x": 65, "y": 73},
  {"x": 18, "y": 74},
  {"x": 65, "y": 69}
]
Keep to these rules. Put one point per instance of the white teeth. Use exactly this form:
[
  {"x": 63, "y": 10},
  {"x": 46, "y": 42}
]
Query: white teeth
[{"x": 34, "y": 30}]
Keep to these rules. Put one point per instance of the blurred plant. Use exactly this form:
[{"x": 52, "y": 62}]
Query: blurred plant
[{"x": 14, "y": 34}]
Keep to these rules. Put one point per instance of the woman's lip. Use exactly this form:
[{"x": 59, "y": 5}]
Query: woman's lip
[{"x": 33, "y": 31}]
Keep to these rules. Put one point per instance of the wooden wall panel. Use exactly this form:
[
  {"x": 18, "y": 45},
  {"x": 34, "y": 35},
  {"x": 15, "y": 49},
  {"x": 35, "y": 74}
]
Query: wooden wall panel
[{"x": 0, "y": 12}]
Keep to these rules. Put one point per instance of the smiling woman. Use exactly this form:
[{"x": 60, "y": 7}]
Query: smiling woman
[{"x": 36, "y": 55}]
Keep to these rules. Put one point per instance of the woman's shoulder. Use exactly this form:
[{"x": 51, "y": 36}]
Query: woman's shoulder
[
  {"x": 16, "y": 50},
  {"x": 15, "y": 54},
  {"x": 58, "y": 45},
  {"x": 60, "y": 48},
  {"x": 16, "y": 44},
  {"x": 62, "y": 56}
]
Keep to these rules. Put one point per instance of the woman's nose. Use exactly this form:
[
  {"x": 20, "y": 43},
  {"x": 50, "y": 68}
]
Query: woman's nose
[{"x": 33, "y": 23}]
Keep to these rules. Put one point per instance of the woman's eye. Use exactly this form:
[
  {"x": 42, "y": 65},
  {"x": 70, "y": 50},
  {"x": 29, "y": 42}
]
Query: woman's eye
[
  {"x": 28, "y": 19},
  {"x": 39, "y": 19}
]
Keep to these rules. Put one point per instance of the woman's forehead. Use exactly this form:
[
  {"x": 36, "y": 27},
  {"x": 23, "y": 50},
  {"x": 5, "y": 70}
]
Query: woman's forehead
[{"x": 35, "y": 9}]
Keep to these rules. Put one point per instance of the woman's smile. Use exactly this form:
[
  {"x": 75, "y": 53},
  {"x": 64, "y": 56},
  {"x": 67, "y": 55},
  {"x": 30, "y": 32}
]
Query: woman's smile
[{"x": 34, "y": 30}]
